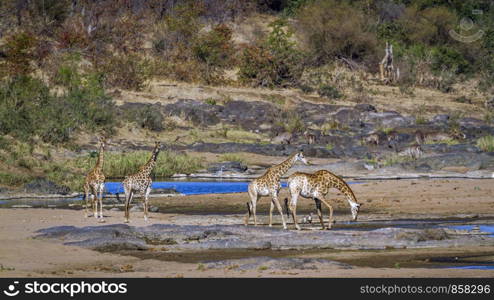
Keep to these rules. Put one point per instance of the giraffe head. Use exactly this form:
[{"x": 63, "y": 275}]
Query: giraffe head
[
  {"x": 102, "y": 141},
  {"x": 354, "y": 207},
  {"x": 156, "y": 151},
  {"x": 300, "y": 156}
]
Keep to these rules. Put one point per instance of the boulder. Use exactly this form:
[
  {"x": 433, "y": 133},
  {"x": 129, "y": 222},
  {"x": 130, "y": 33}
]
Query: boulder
[
  {"x": 228, "y": 166},
  {"x": 45, "y": 186}
]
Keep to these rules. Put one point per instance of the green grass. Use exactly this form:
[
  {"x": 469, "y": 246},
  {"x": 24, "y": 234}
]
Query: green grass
[
  {"x": 240, "y": 136},
  {"x": 449, "y": 142},
  {"x": 13, "y": 179},
  {"x": 385, "y": 130},
  {"x": 486, "y": 143},
  {"x": 119, "y": 165},
  {"x": 394, "y": 159}
]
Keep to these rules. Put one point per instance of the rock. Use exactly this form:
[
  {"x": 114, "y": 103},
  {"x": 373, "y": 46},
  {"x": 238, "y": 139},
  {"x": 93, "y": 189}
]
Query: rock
[
  {"x": 154, "y": 209},
  {"x": 226, "y": 237},
  {"x": 136, "y": 208},
  {"x": 164, "y": 191},
  {"x": 228, "y": 166},
  {"x": 390, "y": 119},
  {"x": 364, "y": 107},
  {"x": 440, "y": 119},
  {"x": 472, "y": 161},
  {"x": 115, "y": 209},
  {"x": 471, "y": 123},
  {"x": 269, "y": 263},
  {"x": 45, "y": 186},
  {"x": 282, "y": 138},
  {"x": 423, "y": 235},
  {"x": 250, "y": 114},
  {"x": 197, "y": 112}
]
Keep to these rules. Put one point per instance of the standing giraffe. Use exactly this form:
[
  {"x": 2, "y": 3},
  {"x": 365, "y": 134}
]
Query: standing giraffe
[
  {"x": 95, "y": 183},
  {"x": 269, "y": 185},
  {"x": 316, "y": 186},
  {"x": 141, "y": 182}
]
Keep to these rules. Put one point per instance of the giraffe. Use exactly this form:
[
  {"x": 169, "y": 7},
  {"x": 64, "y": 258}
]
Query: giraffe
[
  {"x": 316, "y": 186},
  {"x": 269, "y": 185},
  {"x": 141, "y": 182},
  {"x": 95, "y": 183}
]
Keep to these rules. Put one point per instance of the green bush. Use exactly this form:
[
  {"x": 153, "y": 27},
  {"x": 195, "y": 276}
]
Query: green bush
[
  {"x": 274, "y": 61},
  {"x": 28, "y": 108},
  {"x": 147, "y": 117},
  {"x": 486, "y": 143},
  {"x": 119, "y": 165},
  {"x": 130, "y": 72},
  {"x": 215, "y": 48},
  {"x": 329, "y": 92},
  {"x": 332, "y": 29},
  {"x": 19, "y": 49}
]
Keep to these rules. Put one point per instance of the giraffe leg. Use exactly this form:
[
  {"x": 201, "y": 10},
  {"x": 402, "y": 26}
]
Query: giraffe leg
[
  {"x": 275, "y": 199},
  {"x": 94, "y": 200},
  {"x": 128, "y": 198},
  {"x": 330, "y": 221},
  {"x": 146, "y": 203},
  {"x": 271, "y": 208},
  {"x": 319, "y": 212},
  {"x": 101, "y": 187},
  {"x": 247, "y": 216},
  {"x": 86, "y": 192},
  {"x": 251, "y": 207},
  {"x": 293, "y": 208}
]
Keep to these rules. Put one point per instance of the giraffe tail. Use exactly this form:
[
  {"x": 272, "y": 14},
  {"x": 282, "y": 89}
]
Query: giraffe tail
[
  {"x": 287, "y": 210},
  {"x": 249, "y": 210}
]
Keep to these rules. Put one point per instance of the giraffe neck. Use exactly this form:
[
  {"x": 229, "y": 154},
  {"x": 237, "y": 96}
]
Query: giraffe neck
[
  {"x": 337, "y": 182},
  {"x": 283, "y": 167},
  {"x": 345, "y": 189},
  {"x": 149, "y": 166},
  {"x": 101, "y": 156}
]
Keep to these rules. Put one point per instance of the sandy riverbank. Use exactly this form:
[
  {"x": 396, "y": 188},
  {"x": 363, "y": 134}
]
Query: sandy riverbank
[{"x": 21, "y": 255}]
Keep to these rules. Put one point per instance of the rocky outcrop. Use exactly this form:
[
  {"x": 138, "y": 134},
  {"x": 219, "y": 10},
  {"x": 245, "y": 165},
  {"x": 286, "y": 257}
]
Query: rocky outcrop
[
  {"x": 45, "y": 186},
  {"x": 215, "y": 237},
  {"x": 227, "y": 166},
  {"x": 269, "y": 263}
]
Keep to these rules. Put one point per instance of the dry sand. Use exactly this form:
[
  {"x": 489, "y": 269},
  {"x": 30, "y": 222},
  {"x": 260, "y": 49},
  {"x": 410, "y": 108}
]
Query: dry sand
[{"x": 23, "y": 256}]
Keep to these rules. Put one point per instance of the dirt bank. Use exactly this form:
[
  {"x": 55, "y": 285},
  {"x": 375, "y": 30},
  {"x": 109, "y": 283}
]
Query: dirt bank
[{"x": 21, "y": 255}]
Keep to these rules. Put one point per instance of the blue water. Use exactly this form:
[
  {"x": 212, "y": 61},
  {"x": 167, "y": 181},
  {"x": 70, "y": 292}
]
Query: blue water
[
  {"x": 188, "y": 188},
  {"x": 193, "y": 188},
  {"x": 483, "y": 228},
  {"x": 474, "y": 267}
]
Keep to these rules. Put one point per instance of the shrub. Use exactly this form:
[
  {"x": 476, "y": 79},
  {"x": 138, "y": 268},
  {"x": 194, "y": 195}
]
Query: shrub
[
  {"x": 429, "y": 26},
  {"x": 72, "y": 34},
  {"x": 174, "y": 36},
  {"x": 486, "y": 143},
  {"x": 215, "y": 48},
  {"x": 274, "y": 61},
  {"x": 119, "y": 165},
  {"x": 28, "y": 108},
  {"x": 151, "y": 119},
  {"x": 335, "y": 29},
  {"x": 129, "y": 72},
  {"x": 19, "y": 50},
  {"x": 329, "y": 92}
]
